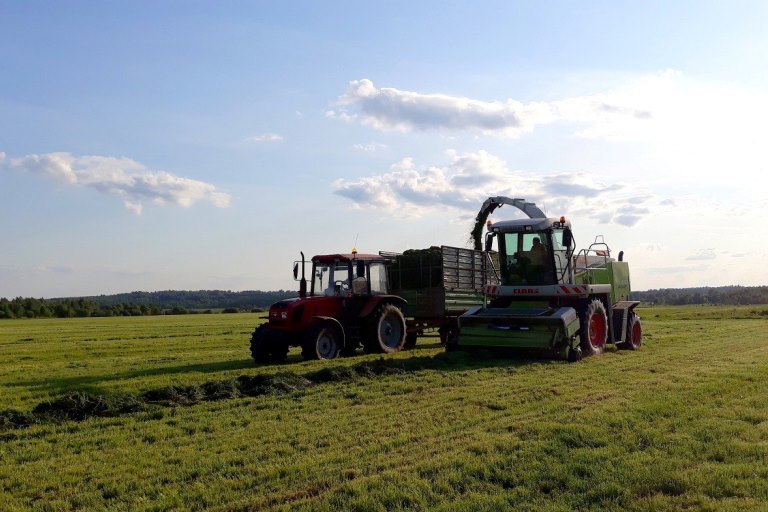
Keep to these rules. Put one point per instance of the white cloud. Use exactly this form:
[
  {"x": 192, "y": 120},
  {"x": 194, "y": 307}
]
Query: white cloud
[
  {"x": 691, "y": 126},
  {"x": 393, "y": 109},
  {"x": 119, "y": 176},
  {"x": 265, "y": 137},
  {"x": 470, "y": 178},
  {"x": 702, "y": 255},
  {"x": 371, "y": 147}
]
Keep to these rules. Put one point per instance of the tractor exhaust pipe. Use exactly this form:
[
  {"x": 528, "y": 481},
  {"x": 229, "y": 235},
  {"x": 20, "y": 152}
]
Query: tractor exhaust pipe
[{"x": 303, "y": 282}]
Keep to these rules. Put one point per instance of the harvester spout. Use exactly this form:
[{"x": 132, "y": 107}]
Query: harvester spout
[{"x": 490, "y": 204}]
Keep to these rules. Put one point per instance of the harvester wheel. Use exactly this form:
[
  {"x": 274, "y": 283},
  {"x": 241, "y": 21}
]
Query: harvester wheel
[
  {"x": 634, "y": 333},
  {"x": 594, "y": 329},
  {"x": 268, "y": 345},
  {"x": 386, "y": 331},
  {"x": 322, "y": 342}
]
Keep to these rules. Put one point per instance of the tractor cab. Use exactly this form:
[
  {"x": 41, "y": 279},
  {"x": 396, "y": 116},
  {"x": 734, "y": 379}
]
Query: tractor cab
[
  {"x": 346, "y": 275},
  {"x": 533, "y": 252}
]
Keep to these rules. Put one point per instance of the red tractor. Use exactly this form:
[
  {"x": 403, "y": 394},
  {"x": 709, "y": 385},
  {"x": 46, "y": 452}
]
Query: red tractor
[{"x": 348, "y": 305}]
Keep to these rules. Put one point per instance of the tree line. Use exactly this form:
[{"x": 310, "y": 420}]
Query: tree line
[
  {"x": 27, "y": 307},
  {"x": 173, "y": 302},
  {"x": 140, "y": 304},
  {"x": 723, "y": 295},
  {"x": 200, "y": 299}
]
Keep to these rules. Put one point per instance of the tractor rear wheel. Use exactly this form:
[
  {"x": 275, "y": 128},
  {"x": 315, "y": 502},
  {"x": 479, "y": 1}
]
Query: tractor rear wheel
[
  {"x": 386, "y": 331},
  {"x": 634, "y": 333},
  {"x": 594, "y": 329},
  {"x": 268, "y": 345},
  {"x": 322, "y": 342}
]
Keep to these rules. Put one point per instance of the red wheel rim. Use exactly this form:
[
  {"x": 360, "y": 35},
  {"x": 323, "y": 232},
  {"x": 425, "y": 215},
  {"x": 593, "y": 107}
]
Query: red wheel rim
[
  {"x": 637, "y": 334},
  {"x": 597, "y": 330}
]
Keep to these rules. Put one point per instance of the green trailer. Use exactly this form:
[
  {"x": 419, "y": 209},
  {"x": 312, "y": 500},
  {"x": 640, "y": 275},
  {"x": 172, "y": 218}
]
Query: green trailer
[{"x": 439, "y": 284}]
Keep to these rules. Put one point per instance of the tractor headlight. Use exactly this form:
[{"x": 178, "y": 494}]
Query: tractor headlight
[{"x": 284, "y": 315}]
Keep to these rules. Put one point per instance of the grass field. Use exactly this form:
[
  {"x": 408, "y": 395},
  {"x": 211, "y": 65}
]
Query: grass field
[{"x": 680, "y": 424}]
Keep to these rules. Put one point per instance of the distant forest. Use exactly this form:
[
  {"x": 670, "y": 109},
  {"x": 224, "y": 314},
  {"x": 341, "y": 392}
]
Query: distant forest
[
  {"x": 141, "y": 304},
  {"x": 723, "y": 295},
  {"x": 207, "y": 301}
]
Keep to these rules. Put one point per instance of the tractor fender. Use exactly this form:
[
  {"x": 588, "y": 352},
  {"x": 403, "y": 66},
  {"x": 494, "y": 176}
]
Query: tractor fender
[
  {"x": 317, "y": 320},
  {"x": 377, "y": 300}
]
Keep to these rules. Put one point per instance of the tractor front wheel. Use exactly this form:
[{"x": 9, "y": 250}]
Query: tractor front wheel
[
  {"x": 386, "y": 331},
  {"x": 268, "y": 345},
  {"x": 594, "y": 329},
  {"x": 322, "y": 342}
]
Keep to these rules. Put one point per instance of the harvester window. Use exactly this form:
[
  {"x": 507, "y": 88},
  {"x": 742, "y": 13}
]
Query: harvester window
[
  {"x": 560, "y": 252},
  {"x": 528, "y": 259}
]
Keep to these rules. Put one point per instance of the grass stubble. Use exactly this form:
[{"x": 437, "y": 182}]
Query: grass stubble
[{"x": 166, "y": 413}]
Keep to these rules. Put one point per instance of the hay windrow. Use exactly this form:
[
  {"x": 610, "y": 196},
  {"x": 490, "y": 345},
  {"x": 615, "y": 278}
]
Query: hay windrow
[{"x": 81, "y": 405}]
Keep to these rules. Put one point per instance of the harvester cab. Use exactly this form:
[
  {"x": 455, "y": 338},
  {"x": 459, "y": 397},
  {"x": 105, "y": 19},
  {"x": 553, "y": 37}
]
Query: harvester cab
[
  {"x": 548, "y": 299},
  {"x": 347, "y": 305},
  {"x": 535, "y": 251}
]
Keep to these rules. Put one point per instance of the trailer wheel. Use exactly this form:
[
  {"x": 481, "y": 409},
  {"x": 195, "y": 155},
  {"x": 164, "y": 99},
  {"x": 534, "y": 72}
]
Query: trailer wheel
[
  {"x": 449, "y": 331},
  {"x": 594, "y": 329},
  {"x": 449, "y": 336},
  {"x": 634, "y": 333},
  {"x": 268, "y": 345},
  {"x": 386, "y": 331},
  {"x": 322, "y": 342}
]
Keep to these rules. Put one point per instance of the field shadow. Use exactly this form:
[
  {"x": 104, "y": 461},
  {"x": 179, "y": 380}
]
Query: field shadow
[{"x": 472, "y": 359}]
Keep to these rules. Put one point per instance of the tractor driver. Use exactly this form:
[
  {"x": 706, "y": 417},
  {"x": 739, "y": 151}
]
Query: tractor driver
[{"x": 360, "y": 283}]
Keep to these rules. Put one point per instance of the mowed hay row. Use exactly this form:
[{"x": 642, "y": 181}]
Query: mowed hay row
[{"x": 682, "y": 423}]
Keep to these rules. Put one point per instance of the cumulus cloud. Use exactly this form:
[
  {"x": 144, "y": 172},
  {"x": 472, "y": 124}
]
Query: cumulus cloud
[
  {"x": 119, "y": 176},
  {"x": 388, "y": 108},
  {"x": 265, "y": 137},
  {"x": 371, "y": 147},
  {"x": 470, "y": 178}
]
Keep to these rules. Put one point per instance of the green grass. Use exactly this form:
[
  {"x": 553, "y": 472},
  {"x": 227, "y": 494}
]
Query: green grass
[{"x": 680, "y": 424}]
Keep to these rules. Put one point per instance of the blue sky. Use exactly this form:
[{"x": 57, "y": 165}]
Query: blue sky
[{"x": 200, "y": 145}]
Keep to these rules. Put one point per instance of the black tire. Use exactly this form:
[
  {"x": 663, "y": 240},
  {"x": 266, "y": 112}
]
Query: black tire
[
  {"x": 410, "y": 340},
  {"x": 634, "y": 333},
  {"x": 322, "y": 342},
  {"x": 268, "y": 345},
  {"x": 449, "y": 331},
  {"x": 280, "y": 350},
  {"x": 594, "y": 329},
  {"x": 386, "y": 331},
  {"x": 574, "y": 355},
  {"x": 452, "y": 347}
]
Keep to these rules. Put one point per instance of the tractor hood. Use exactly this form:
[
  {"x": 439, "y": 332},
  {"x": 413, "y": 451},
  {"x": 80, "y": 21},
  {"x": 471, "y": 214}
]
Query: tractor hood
[{"x": 285, "y": 303}]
